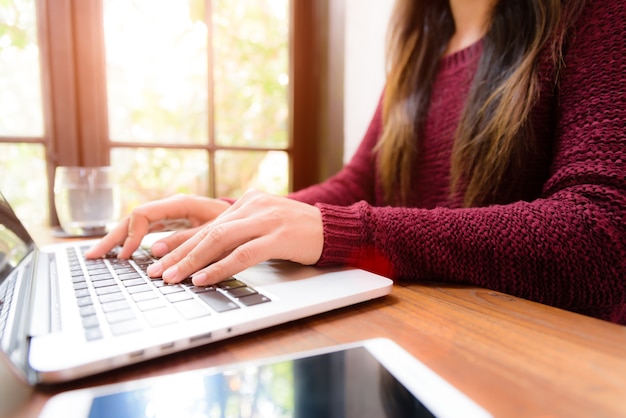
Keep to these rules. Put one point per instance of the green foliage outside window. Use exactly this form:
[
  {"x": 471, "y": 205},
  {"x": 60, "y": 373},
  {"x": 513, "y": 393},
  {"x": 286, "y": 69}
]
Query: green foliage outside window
[{"x": 158, "y": 86}]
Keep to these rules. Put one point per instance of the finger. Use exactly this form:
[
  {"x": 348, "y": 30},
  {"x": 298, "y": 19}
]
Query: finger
[
  {"x": 163, "y": 246},
  {"x": 171, "y": 213},
  {"x": 138, "y": 227},
  {"x": 208, "y": 245},
  {"x": 234, "y": 226},
  {"x": 175, "y": 255},
  {"x": 196, "y": 210},
  {"x": 108, "y": 242},
  {"x": 246, "y": 255},
  {"x": 149, "y": 217}
]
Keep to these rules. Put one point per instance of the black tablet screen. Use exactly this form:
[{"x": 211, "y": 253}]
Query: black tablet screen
[{"x": 348, "y": 383}]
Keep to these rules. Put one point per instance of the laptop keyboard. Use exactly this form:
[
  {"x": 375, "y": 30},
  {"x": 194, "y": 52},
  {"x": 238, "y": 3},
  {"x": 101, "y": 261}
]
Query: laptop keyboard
[
  {"x": 6, "y": 297},
  {"x": 116, "y": 296}
]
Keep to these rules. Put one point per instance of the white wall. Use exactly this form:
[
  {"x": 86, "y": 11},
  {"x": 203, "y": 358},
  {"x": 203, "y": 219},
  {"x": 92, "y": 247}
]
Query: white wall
[{"x": 366, "y": 26}]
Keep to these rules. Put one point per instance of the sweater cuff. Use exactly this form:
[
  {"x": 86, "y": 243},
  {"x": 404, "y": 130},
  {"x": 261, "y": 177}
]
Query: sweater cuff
[{"x": 343, "y": 228}]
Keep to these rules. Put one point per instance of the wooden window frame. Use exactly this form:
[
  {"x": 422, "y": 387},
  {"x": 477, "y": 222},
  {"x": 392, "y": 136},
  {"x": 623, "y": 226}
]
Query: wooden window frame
[{"x": 75, "y": 102}]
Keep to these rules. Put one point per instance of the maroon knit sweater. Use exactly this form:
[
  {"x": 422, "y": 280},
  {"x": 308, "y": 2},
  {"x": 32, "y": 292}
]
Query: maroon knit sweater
[{"x": 564, "y": 245}]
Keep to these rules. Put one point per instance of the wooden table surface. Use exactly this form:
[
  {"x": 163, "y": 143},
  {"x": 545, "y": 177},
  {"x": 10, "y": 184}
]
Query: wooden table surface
[{"x": 514, "y": 357}]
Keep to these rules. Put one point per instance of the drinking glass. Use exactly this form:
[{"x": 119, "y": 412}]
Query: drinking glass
[{"x": 86, "y": 200}]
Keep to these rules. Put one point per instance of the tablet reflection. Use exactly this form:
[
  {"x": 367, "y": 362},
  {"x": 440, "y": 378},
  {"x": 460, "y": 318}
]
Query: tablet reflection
[{"x": 348, "y": 384}]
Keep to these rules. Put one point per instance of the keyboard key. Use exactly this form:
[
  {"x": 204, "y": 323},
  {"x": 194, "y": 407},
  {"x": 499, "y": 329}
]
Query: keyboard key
[
  {"x": 166, "y": 290},
  {"x": 111, "y": 297},
  {"x": 106, "y": 290},
  {"x": 92, "y": 334},
  {"x": 139, "y": 288},
  {"x": 84, "y": 301},
  {"x": 240, "y": 292},
  {"x": 191, "y": 309},
  {"x": 87, "y": 310},
  {"x": 254, "y": 299},
  {"x": 98, "y": 277},
  {"x": 144, "y": 266},
  {"x": 125, "y": 327},
  {"x": 118, "y": 261},
  {"x": 80, "y": 285},
  {"x": 217, "y": 301},
  {"x": 90, "y": 321},
  {"x": 160, "y": 317},
  {"x": 104, "y": 283},
  {"x": 94, "y": 271},
  {"x": 77, "y": 272},
  {"x": 133, "y": 282},
  {"x": 138, "y": 297},
  {"x": 119, "y": 316},
  {"x": 230, "y": 284},
  {"x": 202, "y": 289},
  {"x": 178, "y": 297},
  {"x": 118, "y": 305},
  {"x": 124, "y": 270},
  {"x": 78, "y": 277},
  {"x": 81, "y": 293},
  {"x": 146, "y": 305},
  {"x": 133, "y": 275}
]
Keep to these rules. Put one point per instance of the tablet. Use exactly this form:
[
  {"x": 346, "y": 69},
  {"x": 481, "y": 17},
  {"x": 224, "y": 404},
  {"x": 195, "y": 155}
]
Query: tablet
[{"x": 370, "y": 378}]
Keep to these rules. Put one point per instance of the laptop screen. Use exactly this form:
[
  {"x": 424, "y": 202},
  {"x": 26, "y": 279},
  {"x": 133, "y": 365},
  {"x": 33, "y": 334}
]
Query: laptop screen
[{"x": 15, "y": 242}]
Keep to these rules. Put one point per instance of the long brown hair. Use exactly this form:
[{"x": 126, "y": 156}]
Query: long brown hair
[{"x": 493, "y": 139}]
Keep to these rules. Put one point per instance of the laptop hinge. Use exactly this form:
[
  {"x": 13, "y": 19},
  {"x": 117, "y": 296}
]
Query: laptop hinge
[
  {"x": 21, "y": 366},
  {"x": 16, "y": 341}
]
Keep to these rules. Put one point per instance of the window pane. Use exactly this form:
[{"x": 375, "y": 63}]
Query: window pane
[
  {"x": 238, "y": 171},
  {"x": 251, "y": 57},
  {"x": 23, "y": 182},
  {"x": 157, "y": 82},
  {"x": 20, "y": 83},
  {"x": 146, "y": 174}
]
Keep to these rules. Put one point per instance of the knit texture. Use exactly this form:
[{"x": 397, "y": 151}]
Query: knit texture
[{"x": 565, "y": 245}]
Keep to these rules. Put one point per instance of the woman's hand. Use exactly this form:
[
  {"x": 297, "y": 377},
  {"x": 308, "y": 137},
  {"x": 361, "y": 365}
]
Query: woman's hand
[
  {"x": 157, "y": 216},
  {"x": 256, "y": 228}
]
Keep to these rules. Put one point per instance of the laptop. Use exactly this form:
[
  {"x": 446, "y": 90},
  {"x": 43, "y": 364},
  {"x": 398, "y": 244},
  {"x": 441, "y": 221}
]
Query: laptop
[{"x": 63, "y": 317}]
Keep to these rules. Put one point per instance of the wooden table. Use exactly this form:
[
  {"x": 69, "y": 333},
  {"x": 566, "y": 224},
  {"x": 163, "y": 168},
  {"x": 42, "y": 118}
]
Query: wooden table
[{"x": 514, "y": 357}]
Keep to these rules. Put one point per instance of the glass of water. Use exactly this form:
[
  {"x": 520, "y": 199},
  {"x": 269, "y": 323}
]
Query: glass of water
[{"x": 85, "y": 199}]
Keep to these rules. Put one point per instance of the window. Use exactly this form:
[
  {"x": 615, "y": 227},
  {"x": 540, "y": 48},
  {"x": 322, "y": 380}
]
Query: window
[
  {"x": 23, "y": 150},
  {"x": 199, "y": 96}
]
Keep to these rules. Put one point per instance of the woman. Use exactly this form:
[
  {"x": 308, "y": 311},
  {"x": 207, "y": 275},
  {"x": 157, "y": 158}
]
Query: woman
[{"x": 496, "y": 158}]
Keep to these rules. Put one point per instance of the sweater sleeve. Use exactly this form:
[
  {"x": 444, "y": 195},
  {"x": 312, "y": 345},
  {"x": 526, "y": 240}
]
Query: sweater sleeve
[{"x": 567, "y": 248}]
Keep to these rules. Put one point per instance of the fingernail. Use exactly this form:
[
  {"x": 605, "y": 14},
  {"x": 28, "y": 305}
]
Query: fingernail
[
  {"x": 159, "y": 249},
  {"x": 199, "y": 279},
  {"x": 170, "y": 273},
  {"x": 154, "y": 270}
]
